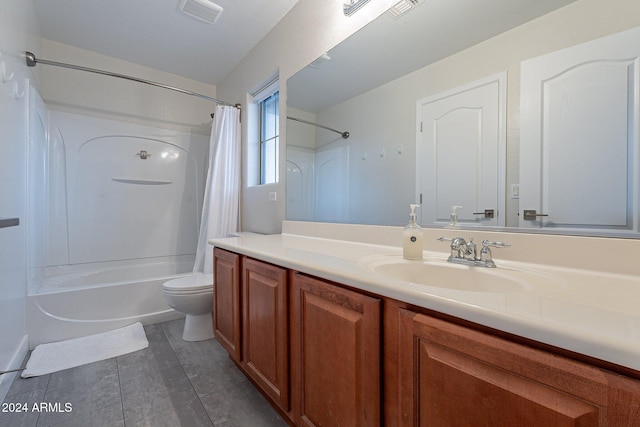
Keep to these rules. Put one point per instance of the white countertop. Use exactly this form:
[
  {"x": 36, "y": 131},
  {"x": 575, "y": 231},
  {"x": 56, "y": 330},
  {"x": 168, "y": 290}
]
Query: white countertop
[{"x": 588, "y": 312}]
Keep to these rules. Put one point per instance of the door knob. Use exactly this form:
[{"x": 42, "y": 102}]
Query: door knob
[
  {"x": 488, "y": 213},
  {"x": 532, "y": 215}
]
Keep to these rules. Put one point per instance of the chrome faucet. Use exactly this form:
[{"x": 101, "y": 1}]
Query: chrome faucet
[{"x": 463, "y": 252}]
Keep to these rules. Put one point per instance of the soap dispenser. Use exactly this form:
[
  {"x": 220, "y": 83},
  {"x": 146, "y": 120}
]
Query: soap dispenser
[
  {"x": 412, "y": 238},
  {"x": 454, "y": 216}
]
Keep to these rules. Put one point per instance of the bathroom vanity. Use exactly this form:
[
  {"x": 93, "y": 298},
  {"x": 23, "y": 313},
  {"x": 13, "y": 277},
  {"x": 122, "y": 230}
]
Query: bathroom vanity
[{"x": 334, "y": 336}]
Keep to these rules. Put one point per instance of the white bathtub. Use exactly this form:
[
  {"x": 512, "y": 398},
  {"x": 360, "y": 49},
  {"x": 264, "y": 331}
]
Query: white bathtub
[{"x": 78, "y": 300}]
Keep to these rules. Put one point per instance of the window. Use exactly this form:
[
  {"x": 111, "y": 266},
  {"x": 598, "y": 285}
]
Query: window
[
  {"x": 263, "y": 133},
  {"x": 269, "y": 138}
]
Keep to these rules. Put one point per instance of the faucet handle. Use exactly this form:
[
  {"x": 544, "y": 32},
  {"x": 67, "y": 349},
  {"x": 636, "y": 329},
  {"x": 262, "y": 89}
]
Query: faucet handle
[
  {"x": 485, "y": 254},
  {"x": 487, "y": 243}
]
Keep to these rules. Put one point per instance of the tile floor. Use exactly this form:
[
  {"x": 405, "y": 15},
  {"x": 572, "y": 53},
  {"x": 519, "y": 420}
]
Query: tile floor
[{"x": 171, "y": 383}]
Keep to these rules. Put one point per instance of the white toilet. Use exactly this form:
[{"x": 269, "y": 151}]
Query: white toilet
[{"x": 193, "y": 296}]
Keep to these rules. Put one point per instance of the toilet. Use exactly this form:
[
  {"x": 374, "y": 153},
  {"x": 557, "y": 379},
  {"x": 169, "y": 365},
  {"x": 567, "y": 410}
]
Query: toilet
[{"x": 193, "y": 296}]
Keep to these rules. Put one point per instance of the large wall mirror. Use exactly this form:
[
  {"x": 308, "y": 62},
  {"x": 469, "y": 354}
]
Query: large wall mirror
[{"x": 433, "y": 100}]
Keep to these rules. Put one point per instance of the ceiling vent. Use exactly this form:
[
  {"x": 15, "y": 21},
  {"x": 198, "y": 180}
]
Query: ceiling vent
[
  {"x": 203, "y": 10},
  {"x": 402, "y": 7},
  {"x": 322, "y": 59}
]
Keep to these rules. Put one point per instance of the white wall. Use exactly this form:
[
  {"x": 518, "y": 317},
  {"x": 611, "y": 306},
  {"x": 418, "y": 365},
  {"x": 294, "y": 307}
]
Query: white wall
[
  {"x": 311, "y": 28},
  {"x": 18, "y": 32},
  {"x": 300, "y": 134},
  {"x": 108, "y": 97},
  {"x": 384, "y": 128},
  {"x": 382, "y": 152}
]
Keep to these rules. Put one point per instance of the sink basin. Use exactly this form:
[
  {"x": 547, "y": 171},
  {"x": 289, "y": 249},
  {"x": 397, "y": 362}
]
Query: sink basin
[{"x": 442, "y": 274}]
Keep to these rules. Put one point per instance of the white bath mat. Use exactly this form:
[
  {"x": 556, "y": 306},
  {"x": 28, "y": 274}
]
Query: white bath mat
[{"x": 53, "y": 357}]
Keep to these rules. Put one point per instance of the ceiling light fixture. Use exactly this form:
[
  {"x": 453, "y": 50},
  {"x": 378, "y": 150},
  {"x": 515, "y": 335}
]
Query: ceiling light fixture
[
  {"x": 352, "y": 6},
  {"x": 203, "y": 10}
]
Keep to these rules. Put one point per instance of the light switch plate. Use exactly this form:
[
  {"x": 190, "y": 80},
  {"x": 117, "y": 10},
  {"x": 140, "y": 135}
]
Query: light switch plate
[{"x": 515, "y": 191}]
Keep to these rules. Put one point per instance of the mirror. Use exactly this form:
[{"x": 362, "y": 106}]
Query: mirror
[{"x": 371, "y": 85}]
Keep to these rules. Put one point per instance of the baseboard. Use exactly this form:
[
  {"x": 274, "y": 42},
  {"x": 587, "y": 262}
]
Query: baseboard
[{"x": 16, "y": 362}]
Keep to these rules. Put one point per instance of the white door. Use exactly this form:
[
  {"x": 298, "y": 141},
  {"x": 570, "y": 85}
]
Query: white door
[
  {"x": 579, "y": 121},
  {"x": 461, "y": 153}
]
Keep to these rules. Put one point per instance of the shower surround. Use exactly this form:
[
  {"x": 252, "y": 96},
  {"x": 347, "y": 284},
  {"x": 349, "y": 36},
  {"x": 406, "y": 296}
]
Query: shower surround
[{"x": 119, "y": 215}]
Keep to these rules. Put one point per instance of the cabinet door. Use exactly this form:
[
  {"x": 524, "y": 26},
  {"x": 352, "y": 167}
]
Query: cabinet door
[
  {"x": 452, "y": 375},
  {"x": 335, "y": 355},
  {"x": 226, "y": 301},
  {"x": 265, "y": 345}
]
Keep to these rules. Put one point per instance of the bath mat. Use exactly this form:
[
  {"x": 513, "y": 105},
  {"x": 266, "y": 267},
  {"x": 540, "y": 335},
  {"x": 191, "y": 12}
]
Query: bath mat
[{"x": 56, "y": 356}]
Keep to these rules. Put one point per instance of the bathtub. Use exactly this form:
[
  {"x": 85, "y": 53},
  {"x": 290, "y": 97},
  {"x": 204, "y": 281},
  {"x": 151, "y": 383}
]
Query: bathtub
[{"x": 77, "y": 300}]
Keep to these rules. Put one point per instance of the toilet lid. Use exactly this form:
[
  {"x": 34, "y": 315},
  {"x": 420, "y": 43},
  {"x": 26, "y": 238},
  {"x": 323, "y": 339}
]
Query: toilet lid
[{"x": 193, "y": 282}]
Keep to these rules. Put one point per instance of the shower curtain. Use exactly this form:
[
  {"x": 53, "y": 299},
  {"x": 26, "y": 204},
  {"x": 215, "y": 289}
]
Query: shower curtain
[{"x": 220, "y": 208}]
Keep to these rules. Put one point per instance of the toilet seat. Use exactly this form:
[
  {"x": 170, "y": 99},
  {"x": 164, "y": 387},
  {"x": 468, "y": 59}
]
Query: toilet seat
[
  {"x": 188, "y": 292},
  {"x": 193, "y": 284}
]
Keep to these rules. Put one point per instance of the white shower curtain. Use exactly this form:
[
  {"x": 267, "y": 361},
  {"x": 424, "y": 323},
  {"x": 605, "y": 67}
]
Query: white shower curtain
[{"x": 220, "y": 208}]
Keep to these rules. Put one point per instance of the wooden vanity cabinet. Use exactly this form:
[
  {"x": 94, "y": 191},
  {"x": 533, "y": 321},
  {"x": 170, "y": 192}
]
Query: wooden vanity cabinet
[
  {"x": 328, "y": 355},
  {"x": 336, "y": 366},
  {"x": 452, "y": 375},
  {"x": 311, "y": 346},
  {"x": 226, "y": 301},
  {"x": 265, "y": 328}
]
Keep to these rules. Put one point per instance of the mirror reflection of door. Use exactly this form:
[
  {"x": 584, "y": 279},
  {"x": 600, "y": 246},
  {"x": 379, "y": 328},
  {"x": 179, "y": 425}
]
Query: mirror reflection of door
[
  {"x": 579, "y": 130},
  {"x": 461, "y": 153},
  {"x": 300, "y": 163},
  {"x": 332, "y": 184}
]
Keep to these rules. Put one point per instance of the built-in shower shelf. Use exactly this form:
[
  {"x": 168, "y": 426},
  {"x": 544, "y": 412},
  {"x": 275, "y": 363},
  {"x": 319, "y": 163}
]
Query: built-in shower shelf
[
  {"x": 9, "y": 222},
  {"x": 142, "y": 181}
]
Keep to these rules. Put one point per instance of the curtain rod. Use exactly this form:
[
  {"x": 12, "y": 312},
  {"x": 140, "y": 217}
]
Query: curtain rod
[
  {"x": 32, "y": 61},
  {"x": 345, "y": 134}
]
